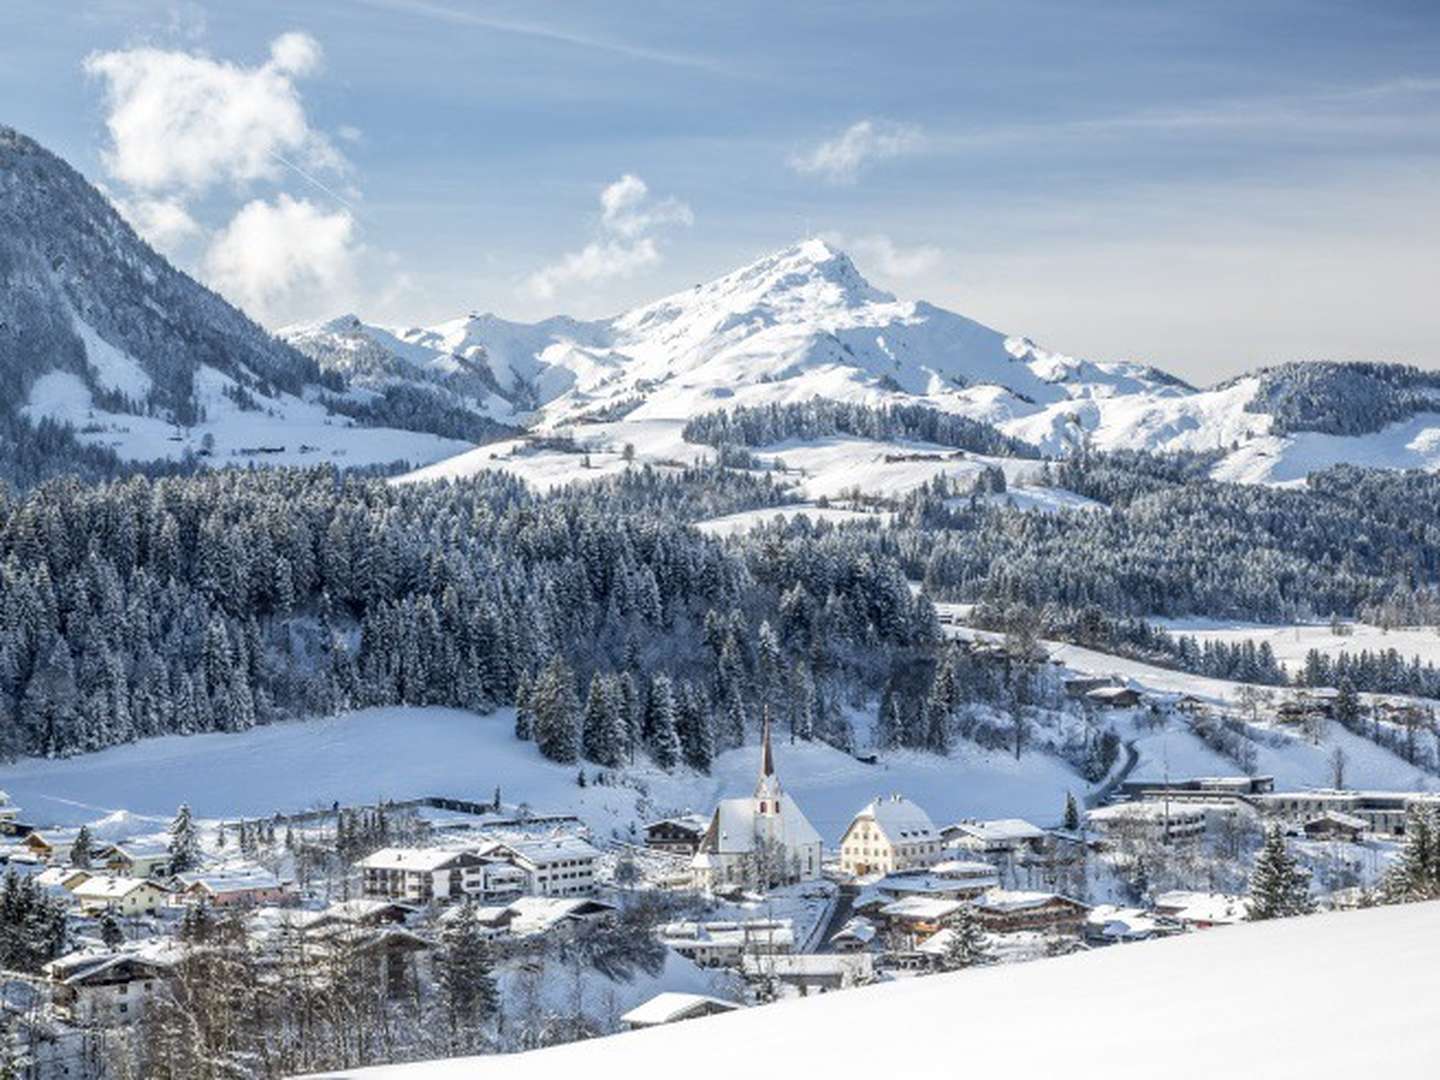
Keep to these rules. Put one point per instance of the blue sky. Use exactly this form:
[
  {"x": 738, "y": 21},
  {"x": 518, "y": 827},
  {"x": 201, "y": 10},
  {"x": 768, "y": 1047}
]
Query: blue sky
[{"x": 1206, "y": 186}]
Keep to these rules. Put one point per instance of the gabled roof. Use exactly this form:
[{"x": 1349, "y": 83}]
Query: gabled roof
[
  {"x": 1001, "y": 830},
  {"x": 1004, "y": 900},
  {"x": 425, "y": 860},
  {"x": 547, "y": 852},
  {"x": 734, "y": 825},
  {"x": 901, "y": 820},
  {"x": 112, "y": 887},
  {"x": 671, "y": 1005}
]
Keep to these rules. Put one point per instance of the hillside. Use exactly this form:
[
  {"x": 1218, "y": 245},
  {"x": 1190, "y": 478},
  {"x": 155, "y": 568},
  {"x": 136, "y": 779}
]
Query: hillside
[
  {"x": 1262, "y": 999},
  {"x": 101, "y": 333}
]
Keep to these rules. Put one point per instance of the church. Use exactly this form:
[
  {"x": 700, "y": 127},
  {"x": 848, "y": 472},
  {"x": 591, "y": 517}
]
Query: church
[{"x": 762, "y": 841}]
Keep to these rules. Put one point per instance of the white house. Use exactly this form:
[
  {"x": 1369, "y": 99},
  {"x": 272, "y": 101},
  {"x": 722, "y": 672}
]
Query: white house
[
  {"x": 999, "y": 837},
  {"x": 419, "y": 875},
  {"x": 764, "y": 840},
  {"x": 559, "y": 867},
  {"x": 121, "y": 895},
  {"x": 722, "y": 944},
  {"x": 890, "y": 833}
]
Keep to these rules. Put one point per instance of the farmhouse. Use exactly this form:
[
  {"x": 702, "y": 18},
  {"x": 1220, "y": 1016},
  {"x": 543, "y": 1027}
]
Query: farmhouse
[
  {"x": 889, "y": 833},
  {"x": 672, "y": 1006},
  {"x": 764, "y": 840}
]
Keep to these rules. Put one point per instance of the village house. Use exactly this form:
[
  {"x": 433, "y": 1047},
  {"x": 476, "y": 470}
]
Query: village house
[
  {"x": 889, "y": 833},
  {"x": 543, "y": 914},
  {"x": 61, "y": 880},
  {"x": 1005, "y": 836},
  {"x": 764, "y": 840},
  {"x": 916, "y": 917},
  {"x": 232, "y": 887},
  {"x": 559, "y": 867},
  {"x": 722, "y": 944},
  {"x": 53, "y": 846},
  {"x": 120, "y": 895},
  {"x": 855, "y": 936},
  {"x": 93, "y": 987},
  {"x": 1336, "y": 825},
  {"x": 811, "y": 972},
  {"x": 1201, "y": 911},
  {"x": 1110, "y": 924},
  {"x": 420, "y": 875},
  {"x": 361, "y": 911},
  {"x": 678, "y": 835},
  {"x": 672, "y": 1006},
  {"x": 1113, "y": 697},
  {"x": 140, "y": 860},
  {"x": 962, "y": 884},
  {"x": 1002, "y": 911}
]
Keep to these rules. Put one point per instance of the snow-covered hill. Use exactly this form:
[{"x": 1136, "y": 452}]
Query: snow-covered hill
[
  {"x": 99, "y": 332},
  {"x": 1256, "y": 1000}
]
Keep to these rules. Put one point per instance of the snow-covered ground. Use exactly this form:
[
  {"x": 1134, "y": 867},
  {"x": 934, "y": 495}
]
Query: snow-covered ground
[
  {"x": 405, "y": 752},
  {"x": 1291, "y": 643},
  {"x": 746, "y": 520},
  {"x": 300, "y": 431},
  {"x": 1282, "y": 1000}
]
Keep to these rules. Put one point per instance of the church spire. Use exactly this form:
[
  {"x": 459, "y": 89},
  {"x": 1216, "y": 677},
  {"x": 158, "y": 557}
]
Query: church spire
[
  {"x": 767, "y": 760},
  {"x": 767, "y": 791}
]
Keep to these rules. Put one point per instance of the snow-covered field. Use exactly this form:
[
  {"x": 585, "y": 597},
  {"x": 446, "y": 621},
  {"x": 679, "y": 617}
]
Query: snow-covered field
[
  {"x": 1291, "y": 643},
  {"x": 404, "y": 752},
  {"x": 1281, "y": 1000}
]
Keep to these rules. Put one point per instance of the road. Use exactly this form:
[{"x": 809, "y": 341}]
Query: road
[
  {"x": 1102, "y": 795},
  {"x": 844, "y": 908}
]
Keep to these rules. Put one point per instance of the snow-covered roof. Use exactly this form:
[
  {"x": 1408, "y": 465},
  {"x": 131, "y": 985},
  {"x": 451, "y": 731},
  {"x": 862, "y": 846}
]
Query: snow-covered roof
[
  {"x": 921, "y": 907},
  {"x": 800, "y": 965},
  {"x": 963, "y": 869},
  {"x": 1001, "y": 830},
  {"x": 111, "y": 887},
  {"x": 1019, "y": 900},
  {"x": 533, "y": 914},
  {"x": 672, "y": 1005},
  {"x": 1202, "y": 907},
  {"x": 1339, "y": 817},
  {"x": 857, "y": 929},
  {"x": 935, "y": 884},
  {"x": 693, "y": 822},
  {"x": 231, "y": 879},
  {"x": 901, "y": 820},
  {"x": 424, "y": 860},
  {"x": 549, "y": 852}
]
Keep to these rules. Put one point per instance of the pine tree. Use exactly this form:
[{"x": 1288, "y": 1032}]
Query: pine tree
[
  {"x": 1278, "y": 887},
  {"x": 601, "y": 736},
  {"x": 557, "y": 713},
  {"x": 184, "y": 842},
  {"x": 664, "y": 739},
  {"x": 524, "y": 719},
  {"x": 80, "y": 851},
  {"x": 1413, "y": 875},
  {"x": 1071, "y": 820},
  {"x": 463, "y": 978},
  {"x": 967, "y": 945},
  {"x": 110, "y": 932}
]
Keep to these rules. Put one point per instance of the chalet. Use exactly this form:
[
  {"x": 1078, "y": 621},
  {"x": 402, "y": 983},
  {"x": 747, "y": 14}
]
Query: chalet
[
  {"x": 559, "y": 867},
  {"x": 1113, "y": 697},
  {"x": 678, "y": 835},
  {"x": 1109, "y": 924},
  {"x": 1336, "y": 825},
  {"x": 233, "y": 887},
  {"x": 975, "y": 879},
  {"x": 808, "y": 972},
  {"x": 1002, "y": 911},
  {"x": 917, "y": 918},
  {"x": 358, "y": 912},
  {"x": 61, "y": 880},
  {"x": 420, "y": 875},
  {"x": 1078, "y": 686},
  {"x": 889, "y": 833},
  {"x": 764, "y": 839},
  {"x": 543, "y": 914},
  {"x": 1312, "y": 703},
  {"x": 101, "y": 987},
  {"x": 673, "y": 1006},
  {"x": 120, "y": 895},
  {"x": 391, "y": 956},
  {"x": 722, "y": 944},
  {"x": 139, "y": 860},
  {"x": 56, "y": 845},
  {"x": 855, "y": 936},
  {"x": 1201, "y": 911},
  {"x": 1001, "y": 837}
]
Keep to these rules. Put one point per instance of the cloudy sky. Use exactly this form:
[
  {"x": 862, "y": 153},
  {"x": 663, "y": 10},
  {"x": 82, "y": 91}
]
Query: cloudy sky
[{"x": 1207, "y": 186}]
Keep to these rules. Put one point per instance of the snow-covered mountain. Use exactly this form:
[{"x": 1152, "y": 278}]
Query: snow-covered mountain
[
  {"x": 804, "y": 322},
  {"x": 99, "y": 332}
]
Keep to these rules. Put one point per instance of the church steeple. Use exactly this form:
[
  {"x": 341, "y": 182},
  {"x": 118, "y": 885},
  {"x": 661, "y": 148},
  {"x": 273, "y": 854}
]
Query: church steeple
[{"x": 768, "y": 788}]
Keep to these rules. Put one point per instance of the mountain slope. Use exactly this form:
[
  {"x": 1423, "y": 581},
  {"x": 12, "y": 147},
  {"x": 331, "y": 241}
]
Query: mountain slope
[{"x": 99, "y": 332}]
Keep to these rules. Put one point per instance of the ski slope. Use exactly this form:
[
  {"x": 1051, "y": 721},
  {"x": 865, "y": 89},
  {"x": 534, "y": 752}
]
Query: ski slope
[{"x": 1282, "y": 1000}]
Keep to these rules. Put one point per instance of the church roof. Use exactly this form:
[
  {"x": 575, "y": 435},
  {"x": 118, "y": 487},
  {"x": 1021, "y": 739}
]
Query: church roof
[{"x": 734, "y": 826}]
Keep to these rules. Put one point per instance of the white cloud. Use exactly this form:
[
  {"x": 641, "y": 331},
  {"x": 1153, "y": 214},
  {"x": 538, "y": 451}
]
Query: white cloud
[
  {"x": 840, "y": 159},
  {"x": 889, "y": 259},
  {"x": 284, "y": 258},
  {"x": 183, "y": 122},
  {"x": 625, "y": 246},
  {"x": 165, "y": 223}
]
